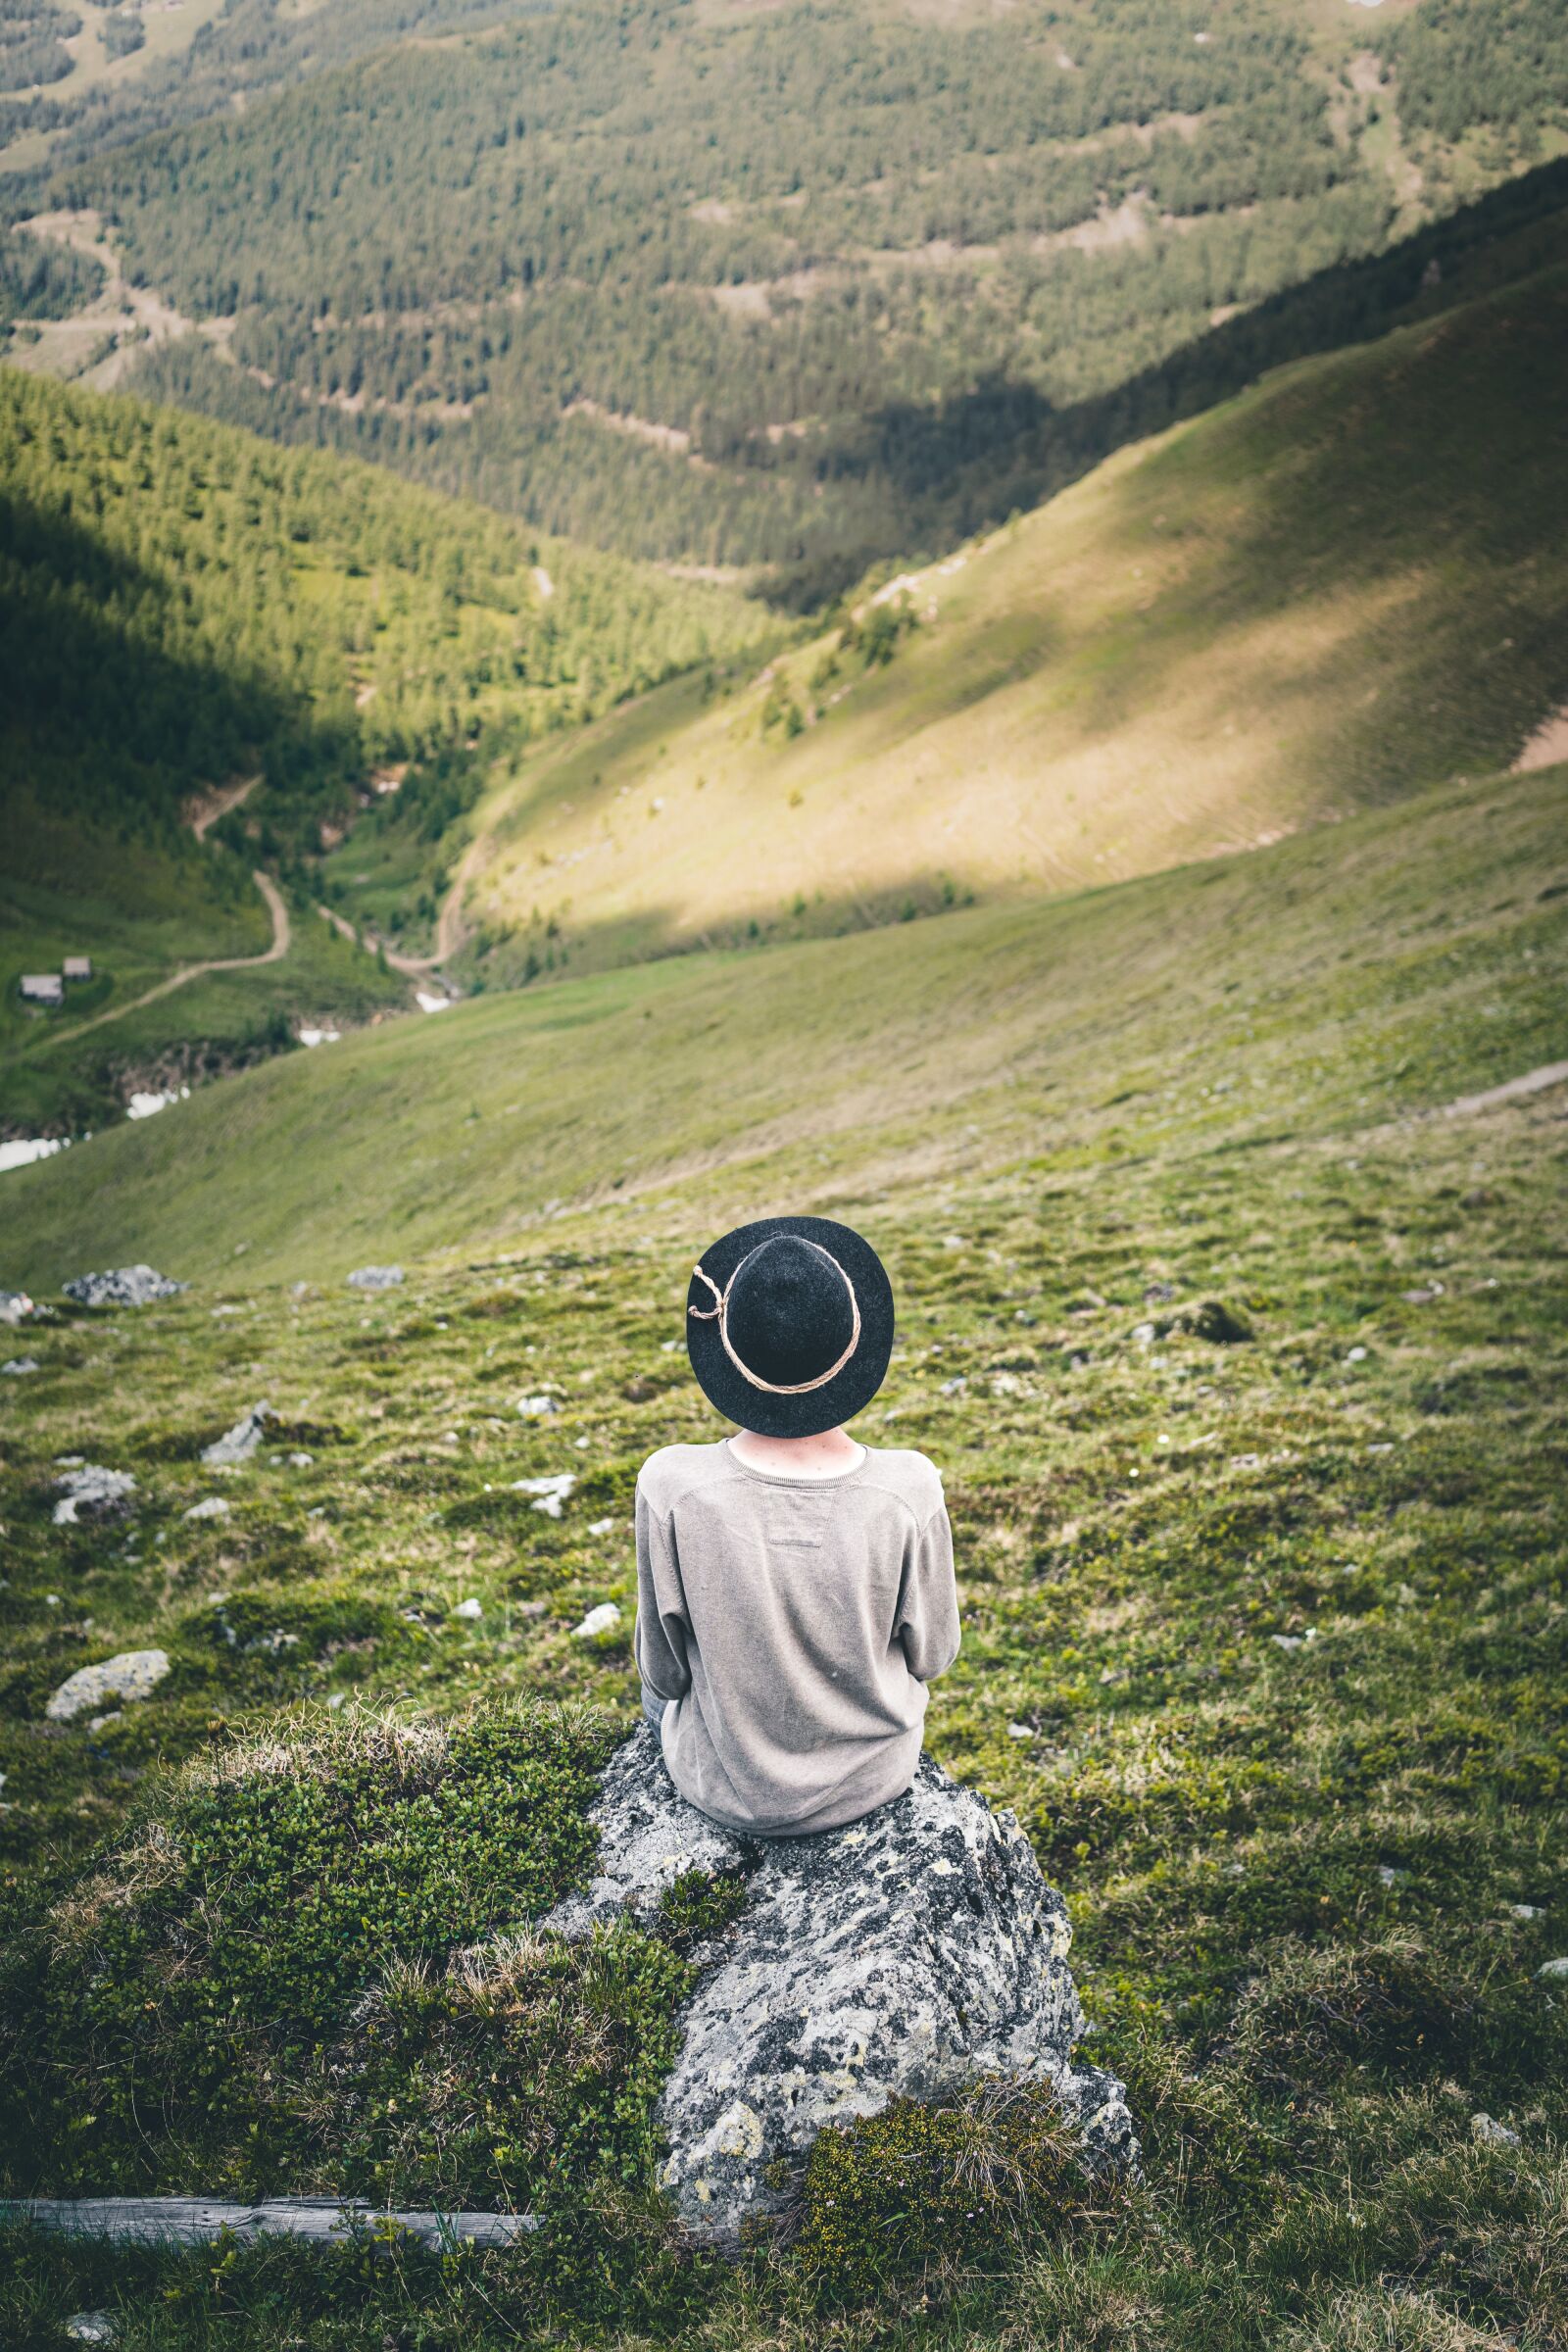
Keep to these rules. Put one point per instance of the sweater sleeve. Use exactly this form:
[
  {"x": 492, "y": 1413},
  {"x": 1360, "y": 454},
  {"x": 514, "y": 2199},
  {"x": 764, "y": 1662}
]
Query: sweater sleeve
[
  {"x": 661, "y": 1631},
  {"x": 927, "y": 1623}
]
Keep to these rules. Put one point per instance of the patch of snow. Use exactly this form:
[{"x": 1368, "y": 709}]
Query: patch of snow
[
  {"x": 22, "y": 1150},
  {"x": 133, "y": 1675},
  {"x": 145, "y": 1106},
  {"x": 429, "y": 1004}
]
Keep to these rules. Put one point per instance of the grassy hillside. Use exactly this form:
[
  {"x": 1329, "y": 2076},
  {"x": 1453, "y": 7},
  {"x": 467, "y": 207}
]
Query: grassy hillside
[
  {"x": 1345, "y": 585},
  {"x": 1263, "y": 1640},
  {"x": 187, "y": 611},
  {"x": 804, "y": 286},
  {"x": 1369, "y": 957}
]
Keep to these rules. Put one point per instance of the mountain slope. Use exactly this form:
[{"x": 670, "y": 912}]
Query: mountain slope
[
  {"x": 1347, "y": 584},
  {"x": 186, "y": 609},
  {"x": 804, "y": 286}
]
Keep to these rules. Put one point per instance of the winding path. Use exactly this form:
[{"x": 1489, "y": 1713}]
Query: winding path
[{"x": 282, "y": 933}]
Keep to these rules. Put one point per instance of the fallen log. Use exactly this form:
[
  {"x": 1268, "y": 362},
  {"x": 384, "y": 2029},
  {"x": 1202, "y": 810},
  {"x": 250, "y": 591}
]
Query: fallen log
[{"x": 194, "y": 2221}]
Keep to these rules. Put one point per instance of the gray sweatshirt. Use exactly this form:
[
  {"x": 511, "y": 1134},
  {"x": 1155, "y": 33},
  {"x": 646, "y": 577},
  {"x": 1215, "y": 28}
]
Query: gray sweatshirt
[{"x": 794, "y": 1625}]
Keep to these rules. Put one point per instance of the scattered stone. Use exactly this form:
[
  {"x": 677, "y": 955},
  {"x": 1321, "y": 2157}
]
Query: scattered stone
[
  {"x": 92, "y": 2327},
  {"x": 1490, "y": 2133},
  {"x": 215, "y": 1506},
  {"x": 600, "y": 1526},
  {"x": 550, "y": 1492},
  {"x": 17, "y": 1365},
  {"x": 1391, "y": 1876},
  {"x": 100, "y": 1723},
  {"x": 375, "y": 1278},
  {"x": 238, "y": 1444},
  {"x": 133, "y": 1675},
  {"x": 1356, "y": 1355},
  {"x": 1144, "y": 1333},
  {"x": 908, "y": 1955},
  {"x": 15, "y": 1307},
  {"x": 335, "y": 1699},
  {"x": 1550, "y": 1971},
  {"x": 953, "y": 1387},
  {"x": 1005, "y": 1384},
  {"x": 1424, "y": 1294},
  {"x": 89, "y": 1491},
  {"x": 537, "y": 1408},
  {"x": 122, "y": 1285},
  {"x": 300, "y": 1462},
  {"x": 1294, "y": 1641},
  {"x": 226, "y": 1310},
  {"x": 598, "y": 1621},
  {"x": 471, "y": 1611},
  {"x": 1159, "y": 1293},
  {"x": 1020, "y": 1730},
  {"x": 1527, "y": 1910},
  {"x": 953, "y": 1241}
]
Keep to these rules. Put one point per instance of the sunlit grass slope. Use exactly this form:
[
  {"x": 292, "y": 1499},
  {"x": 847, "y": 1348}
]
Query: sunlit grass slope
[
  {"x": 1348, "y": 584},
  {"x": 1363, "y": 968}
]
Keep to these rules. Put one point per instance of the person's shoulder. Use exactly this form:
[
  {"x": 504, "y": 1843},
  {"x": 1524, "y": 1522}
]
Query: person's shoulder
[
  {"x": 676, "y": 1471},
  {"x": 913, "y": 1479}
]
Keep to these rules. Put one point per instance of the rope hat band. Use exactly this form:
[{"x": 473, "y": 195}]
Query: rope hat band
[{"x": 719, "y": 1313}]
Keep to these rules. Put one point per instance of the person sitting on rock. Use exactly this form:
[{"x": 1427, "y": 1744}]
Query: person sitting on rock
[{"x": 795, "y": 1588}]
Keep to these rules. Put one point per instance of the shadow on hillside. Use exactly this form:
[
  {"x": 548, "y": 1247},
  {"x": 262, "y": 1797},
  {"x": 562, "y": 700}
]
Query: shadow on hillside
[
  {"x": 115, "y": 710},
  {"x": 935, "y": 476}
]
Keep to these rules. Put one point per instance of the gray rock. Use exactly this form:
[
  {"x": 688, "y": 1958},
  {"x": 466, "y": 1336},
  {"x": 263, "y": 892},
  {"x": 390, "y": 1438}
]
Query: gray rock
[
  {"x": 375, "y": 1278},
  {"x": 17, "y": 1365},
  {"x": 15, "y": 1307},
  {"x": 238, "y": 1444},
  {"x": 134, "y": 1674},
  {"x": 212, "y": 1506},
  {"x": 92, "y": 2327},
  {"x": 904, "y": 1956},
  {"x": 90, "y": 1492},
  {"x": 1490, "y": 2133},
  {"x": 122, "y": 1285}
]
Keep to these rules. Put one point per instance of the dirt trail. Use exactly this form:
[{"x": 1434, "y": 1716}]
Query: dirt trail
[
  {"x": 64, "y": 346},
  {"x": 1532, "y": 1082},
  {"x": 204, "y": 813},
  {"x": 282, "y": 933},
  {"x": 449, "y": 927}
]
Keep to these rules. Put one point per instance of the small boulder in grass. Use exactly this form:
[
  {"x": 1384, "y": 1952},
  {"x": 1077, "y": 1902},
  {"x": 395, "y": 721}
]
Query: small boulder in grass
[
  {"x": 134, "y": 1674},
  {"x": 375, "y": 1278},
  {"x": 601, "y": 1620},
  {"x": 90, "y": 1492},
  {"x": 238, "y": 1444},
  {"x": 122, "y": 1285},
  {"x": 538, "y": 1408},
  {"x": 92, "y": 2328},
  {"x": 212, "y": 1506}
]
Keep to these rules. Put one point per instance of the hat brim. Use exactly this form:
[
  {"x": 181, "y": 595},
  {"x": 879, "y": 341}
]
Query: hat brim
[{"x": 839, "y": 1399}]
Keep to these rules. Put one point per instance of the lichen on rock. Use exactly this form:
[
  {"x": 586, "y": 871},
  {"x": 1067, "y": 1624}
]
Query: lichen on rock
[{"x": 906, "y": 1955}]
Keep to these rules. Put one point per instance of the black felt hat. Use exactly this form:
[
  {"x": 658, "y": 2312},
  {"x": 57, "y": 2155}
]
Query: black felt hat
[{"x": 789, "y": 1325}]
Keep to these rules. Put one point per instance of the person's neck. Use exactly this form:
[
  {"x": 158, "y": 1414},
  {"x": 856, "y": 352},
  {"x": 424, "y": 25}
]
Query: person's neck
[{"x": 829, "y": 1455}]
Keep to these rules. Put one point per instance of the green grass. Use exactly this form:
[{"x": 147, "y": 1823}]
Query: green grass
[
  {"x": 1295, "y": 1874},
  {"x": 1345, "y": 586}
]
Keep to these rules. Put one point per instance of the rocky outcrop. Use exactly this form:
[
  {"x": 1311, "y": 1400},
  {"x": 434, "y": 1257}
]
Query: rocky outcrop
[
  {"x": 375, "y": 1278},
  {"x": 122, "y": 1285},
  {"x": 238, "y": 1444},
  {"x": 90, "y": 1492},
  {"x": 906, "y": 1956}
]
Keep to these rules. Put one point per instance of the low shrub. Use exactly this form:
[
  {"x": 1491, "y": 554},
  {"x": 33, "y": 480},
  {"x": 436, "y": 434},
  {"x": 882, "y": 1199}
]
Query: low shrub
[{"x": 917, "y": 2191}]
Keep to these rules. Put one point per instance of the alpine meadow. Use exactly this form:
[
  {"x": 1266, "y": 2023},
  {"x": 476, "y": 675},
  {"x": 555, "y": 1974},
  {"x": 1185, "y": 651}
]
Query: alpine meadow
[{"x": 940, "y": 618}]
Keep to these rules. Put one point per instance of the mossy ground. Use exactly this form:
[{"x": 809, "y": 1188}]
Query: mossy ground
[{"x": 1264, "y": 1639}]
